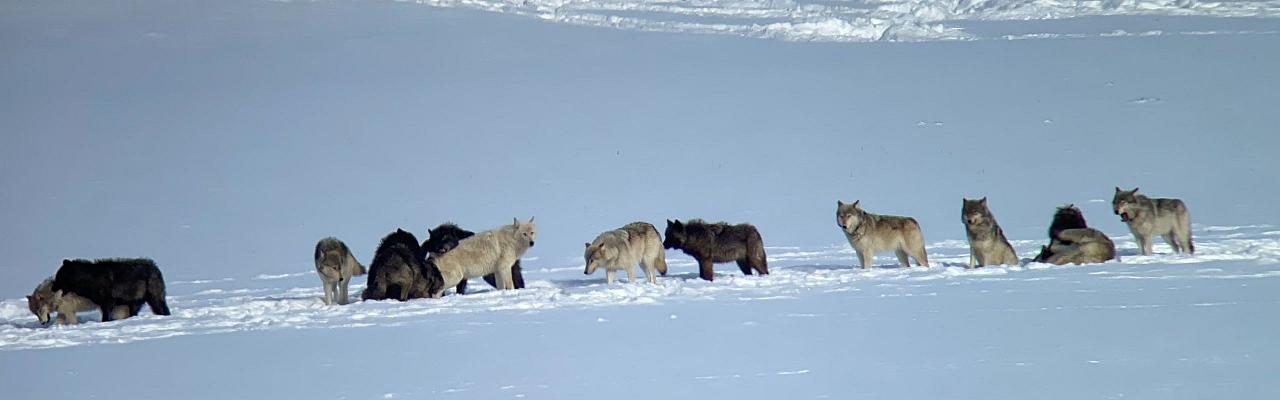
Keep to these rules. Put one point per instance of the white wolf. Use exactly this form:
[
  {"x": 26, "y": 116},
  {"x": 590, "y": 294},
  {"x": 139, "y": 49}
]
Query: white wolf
[
  {"x": 489, "y": 252},
  {"x": 43, "y": 302},
  {"x": 623, "y": 248}
]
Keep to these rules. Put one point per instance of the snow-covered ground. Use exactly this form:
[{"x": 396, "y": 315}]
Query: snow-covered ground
[
  {"x": 223, "y": 138},
  {"x": 1163, "y": 326}
]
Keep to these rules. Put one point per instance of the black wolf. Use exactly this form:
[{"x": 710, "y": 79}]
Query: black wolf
[
  {"x": 400, "y": 270},
  {"x": 446, "y": 236},
  {"x": 718, "y": 243},
  {"x": 114, "y": 282}
]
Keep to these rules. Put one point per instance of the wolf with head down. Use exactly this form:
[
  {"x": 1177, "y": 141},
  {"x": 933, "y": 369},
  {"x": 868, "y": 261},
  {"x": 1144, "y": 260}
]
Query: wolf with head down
[
  {"x": 623, "y": 248},
  {"x": 489, "y": 252},
  {"x": 400, "y": 270},
  {"x": 1072, "y": 241},
  {"x": 1148, "y": 217},
  {"x": 111, "y": 283},
  {"x": 869, "y": 233},
  {"x": 43, "y": 302},
  {"x": 711, "y": 243},
  {"x": 445, "y": 237}
]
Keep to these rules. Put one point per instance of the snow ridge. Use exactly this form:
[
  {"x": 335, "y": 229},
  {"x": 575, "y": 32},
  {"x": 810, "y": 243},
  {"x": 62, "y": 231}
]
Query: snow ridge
[
  {"x": 293, "y": 301},
  {"x": 854, "y": 20}
]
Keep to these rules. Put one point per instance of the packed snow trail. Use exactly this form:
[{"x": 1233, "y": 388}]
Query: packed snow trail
[{"x": 293, "y": 301}]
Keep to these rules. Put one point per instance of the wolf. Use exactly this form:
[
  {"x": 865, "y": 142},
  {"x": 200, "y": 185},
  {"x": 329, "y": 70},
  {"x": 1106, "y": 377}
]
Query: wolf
[
  {"x": 400, "y": 271},
  {"x": 336, "y": 266},
  {"x": 622, "y": 248},
  {"x": 987, "y": 243},
  {"x": 1148, "y": 217},
  {"x": 869, "y": 233},
  {"x": 109, "y": 283},
  {"x": 489, "y": 252},
  {"x": 1072, "y": 241},
  {"x": 718, "y": 243},
  {"x": 43, "y": 302},
  {"x": 446, "y": 236}
]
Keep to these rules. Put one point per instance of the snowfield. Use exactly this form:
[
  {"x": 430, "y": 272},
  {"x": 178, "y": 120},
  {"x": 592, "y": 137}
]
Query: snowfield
[
  {"x": 1244, "y": 255},
  {"x": 861, "y": 20}
]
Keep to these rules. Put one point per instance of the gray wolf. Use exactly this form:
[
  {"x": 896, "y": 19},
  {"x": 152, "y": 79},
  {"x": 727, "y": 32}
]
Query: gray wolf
[
  {"x": 711, "y": 243},
  {"x": 446, "y": 236},
  {"x": 109, "y": 283},
  {"x": 987, "y": 243},
  {"x": 400, "y": 271},
  {"x": 336, "y": 266},
  {"x": 623, "y": 248},
  {"x": 1071, "y": 241},
  {"x": 489, "y": 252},
  {"x": 869, "y": 233},
  {"x": 43, "y": 302},
  {"x": 1148, "y": 217}
]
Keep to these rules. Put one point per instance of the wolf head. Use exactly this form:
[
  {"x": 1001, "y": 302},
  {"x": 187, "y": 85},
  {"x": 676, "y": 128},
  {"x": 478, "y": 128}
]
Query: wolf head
[
  {"x": 975, "y": 212},
  {"x": 1067, "y": 217},
  {"x": 526, "y": 232},
  {"x": 849, "y": 216},
  {"x": 596, "y": 255},
  {"x": 444, "y": 238},
  {"x": 43, "y": 301},
  {"x": 1125, "y": 203},
  {"x": 676, "y": 235}
]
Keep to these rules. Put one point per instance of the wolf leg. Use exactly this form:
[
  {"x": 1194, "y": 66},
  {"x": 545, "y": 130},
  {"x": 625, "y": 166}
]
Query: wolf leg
[
  {"x": 704, "y": 269},
  {"x": 608, "y": 276},
  {"x": 107, "y": 310},
  {"x": 342, "y": 290},
  {"x": 650, "y": 272},
  {"x": 517, "y": 275},
  {"x": 973, "y": 257},
  {"x": 462, "y": 287},
  {"x": 503, "y": 278},
  {"x": 631, "y": 273},
  {"x": 328, "y": 291},
  {"x": 744, "y": 266},
  {"x": 921, "y": 256},
  {"x": 1170, "y": 239},
  {"x": 864, "y": 258},
  {"x": 1144, "y": 242},
  {"x": 902, "y": 258}
]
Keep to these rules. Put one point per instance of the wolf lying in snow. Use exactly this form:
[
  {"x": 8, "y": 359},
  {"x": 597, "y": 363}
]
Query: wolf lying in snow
[
  {"x": 43, "y": 302},
  {"x": 869, "y": 233},
  {"x": 718, "y": 243},
  {"x": 1148, "y": 217},
  {"x": 400, "y": 270},
  {"x": 987, "y": 244},
  {"x": 109, "y": 283},
  {"x": 336, "y": 266},
  {"x": 446, "y": 236},
  {"x": 623, "y": 248},
  {"x": 1071, "y": 241},
  {"x": 489, "y": 252}
]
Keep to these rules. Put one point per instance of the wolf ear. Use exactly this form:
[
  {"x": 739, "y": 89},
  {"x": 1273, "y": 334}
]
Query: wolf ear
[
  {"x": 588, "y": 245},
  {"x": 1118, "y": 189},
  {"x": 856, "y": 202},
  {"x": 1135, "y": 190},
  {"x": 515, "y": 221},
  {"x": 31, "y": 299},
  {"x": 531, "y": 220},
  {"x": 983, "y": 201},
  {"x": 839, "y": 203}
]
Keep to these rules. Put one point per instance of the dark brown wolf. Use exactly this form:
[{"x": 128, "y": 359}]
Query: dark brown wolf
[
  {"x": 718, "y": 243},
  {"x": 114, "y": 282},
  {"x": 400, "y": 270}
]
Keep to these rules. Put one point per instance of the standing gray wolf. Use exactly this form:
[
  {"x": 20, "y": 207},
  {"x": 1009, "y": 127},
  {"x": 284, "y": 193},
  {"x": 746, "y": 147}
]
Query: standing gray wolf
[
  {"x": 623, "y": 248},
  {"x": 987, "y": 244},
  {"x": 336, "y": 266},
  {"x": 1148, "y": 217},
  {"x": 718, "y": 243},
  {"x": 869, "y": 233},
  {"x": 489, "y": 252},
  {"x": 1071, "y": 241},
  {"x": 43, "y": 302},
  {"x": 446, "y": 236},
  {"x": 109, "y": 283},
  {"x": 400, "y": 270}
]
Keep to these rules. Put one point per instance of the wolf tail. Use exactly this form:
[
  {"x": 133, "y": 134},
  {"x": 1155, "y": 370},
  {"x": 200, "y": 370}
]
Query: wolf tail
[
  {"x": 755, "y": 253},
  {"x": 156, "y": 294}
]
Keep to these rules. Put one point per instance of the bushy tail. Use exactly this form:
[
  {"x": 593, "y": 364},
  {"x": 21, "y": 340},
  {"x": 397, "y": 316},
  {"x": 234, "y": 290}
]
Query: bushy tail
[
  {"x": 359, "y": 268},
  {"x": 755, "y": 251},
  {"x": 659, "y": 259},
  {"x": 156, "y": 294}
]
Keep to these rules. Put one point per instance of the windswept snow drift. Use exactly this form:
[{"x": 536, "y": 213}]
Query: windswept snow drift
[
  {"x": 858, "y": 20},
  {"x": 293, "y": 301}
]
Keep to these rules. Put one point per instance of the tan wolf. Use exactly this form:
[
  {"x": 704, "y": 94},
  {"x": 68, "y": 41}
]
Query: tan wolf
[
  {"x": 43, "y": 302},
  {"x": 869, "y": 233},
  {"x": 336, "y": 266},
  {"x": 987, "y": 244},
  {"x": 1148, "y": 217},
  {"x": 489, "y": 252},
  {"x": 623, "y": 248}
]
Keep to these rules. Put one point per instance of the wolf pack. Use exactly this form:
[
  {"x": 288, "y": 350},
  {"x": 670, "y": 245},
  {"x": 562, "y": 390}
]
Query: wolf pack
[{"x": 403, "y": 268}]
